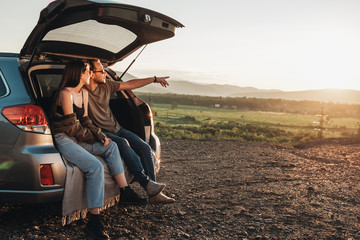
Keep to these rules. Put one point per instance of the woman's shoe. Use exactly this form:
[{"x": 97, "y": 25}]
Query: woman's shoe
[
  {"x": 94, "y": 227},
  {"x": 129, "y": 197}
]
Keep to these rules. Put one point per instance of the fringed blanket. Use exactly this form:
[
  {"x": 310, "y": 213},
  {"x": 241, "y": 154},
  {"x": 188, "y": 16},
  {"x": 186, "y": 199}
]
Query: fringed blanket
[{"x": 74, "y": 205}]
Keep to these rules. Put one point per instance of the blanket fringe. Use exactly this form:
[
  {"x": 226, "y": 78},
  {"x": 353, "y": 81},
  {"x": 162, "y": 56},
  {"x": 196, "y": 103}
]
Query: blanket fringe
[{"x": 80, "y": 214}]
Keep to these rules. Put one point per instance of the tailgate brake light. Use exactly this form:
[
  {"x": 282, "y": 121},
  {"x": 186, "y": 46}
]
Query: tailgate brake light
[
  {"x": 27, "y": 117},
  {"x": 46, "y": 174}
]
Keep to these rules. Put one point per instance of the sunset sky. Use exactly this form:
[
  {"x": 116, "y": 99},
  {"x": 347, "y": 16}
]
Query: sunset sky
[{"x": 267, "y": 44}]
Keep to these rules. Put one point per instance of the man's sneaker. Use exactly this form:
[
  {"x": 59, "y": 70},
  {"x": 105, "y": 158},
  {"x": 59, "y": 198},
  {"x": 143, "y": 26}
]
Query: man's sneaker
[
  {"x": 161, "y": 199},
  {"x": 95, "y": 228},
  {"x": 129, "y": 197},
  {"x": 154, "y": 188}
]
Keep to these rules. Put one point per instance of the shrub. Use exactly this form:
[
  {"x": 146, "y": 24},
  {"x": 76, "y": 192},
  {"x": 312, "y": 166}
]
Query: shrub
[{"x": 189, "y": 118}]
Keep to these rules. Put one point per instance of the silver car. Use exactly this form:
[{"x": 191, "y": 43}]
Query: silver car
[{"x": 31, "y": 168}]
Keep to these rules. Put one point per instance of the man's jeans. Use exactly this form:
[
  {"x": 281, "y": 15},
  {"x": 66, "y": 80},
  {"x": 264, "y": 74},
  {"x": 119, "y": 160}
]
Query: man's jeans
[
  {"x": 82, "y": 156},
  {"x": 137, "y": 156}
]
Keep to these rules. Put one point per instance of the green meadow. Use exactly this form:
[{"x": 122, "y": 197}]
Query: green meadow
[{"x": 198, "y": 122}]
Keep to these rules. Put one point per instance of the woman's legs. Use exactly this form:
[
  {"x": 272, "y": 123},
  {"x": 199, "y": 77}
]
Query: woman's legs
[
  {"x": 109, "y": 153},
  {"x": 88, "y": 164},
  {"x": 82, "y": 156},
  {"x": 111, "y": 156},
  {"x": 121, "y": 180},
  {"x": 94, "y": 211}
]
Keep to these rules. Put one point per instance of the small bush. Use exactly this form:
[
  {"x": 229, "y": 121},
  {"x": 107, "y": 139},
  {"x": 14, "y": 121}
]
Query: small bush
[{"x": 189, "y": 118}]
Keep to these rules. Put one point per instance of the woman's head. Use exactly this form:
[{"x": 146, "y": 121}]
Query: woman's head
[
  {"x": 73, "y": 73},
  {"x": 76, "y": 72}
]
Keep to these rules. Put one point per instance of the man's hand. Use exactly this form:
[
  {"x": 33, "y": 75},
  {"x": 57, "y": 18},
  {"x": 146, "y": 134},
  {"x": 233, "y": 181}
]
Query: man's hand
[
  {"x": 106, "y": 141},
  {"x": 162, "y": 81}
]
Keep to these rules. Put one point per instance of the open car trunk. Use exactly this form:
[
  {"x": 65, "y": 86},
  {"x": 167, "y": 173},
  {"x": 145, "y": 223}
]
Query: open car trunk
[{"x": 94, "y": 29}]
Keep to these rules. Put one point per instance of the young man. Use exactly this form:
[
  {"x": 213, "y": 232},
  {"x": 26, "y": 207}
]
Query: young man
[{"x": 135, "y": 152}]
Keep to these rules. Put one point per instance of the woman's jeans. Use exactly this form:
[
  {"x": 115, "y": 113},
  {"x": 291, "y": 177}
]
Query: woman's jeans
[
  {"x": 137, "y": 156},
  {"x": 82, "y": 155}
]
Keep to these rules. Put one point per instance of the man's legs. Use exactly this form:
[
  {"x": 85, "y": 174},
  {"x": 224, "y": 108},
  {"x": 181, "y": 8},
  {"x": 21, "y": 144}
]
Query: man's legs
[
  {"x": 142, "y": 149},
  {"x": 135, "y": 167},
  {"x": 130, "y": 158}
]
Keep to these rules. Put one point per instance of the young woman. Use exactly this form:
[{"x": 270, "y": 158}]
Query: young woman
[{"x": 78, "y": 140}]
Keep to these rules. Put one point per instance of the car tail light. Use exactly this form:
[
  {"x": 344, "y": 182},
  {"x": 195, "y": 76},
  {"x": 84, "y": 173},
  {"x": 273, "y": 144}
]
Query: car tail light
[
  {"x": 46, "y": 174},
  {"x": 27, "y": 117}
]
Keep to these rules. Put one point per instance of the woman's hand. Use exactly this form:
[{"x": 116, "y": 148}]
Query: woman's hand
[{"x": 106, "y": 141}]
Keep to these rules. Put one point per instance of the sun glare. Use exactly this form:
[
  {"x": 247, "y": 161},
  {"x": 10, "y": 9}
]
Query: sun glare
[
  {"x": 328, "y": 74},
  {"x": 330, "y": 63}
]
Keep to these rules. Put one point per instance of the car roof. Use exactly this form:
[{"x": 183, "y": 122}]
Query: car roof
[{"x": 95, "y": 29}]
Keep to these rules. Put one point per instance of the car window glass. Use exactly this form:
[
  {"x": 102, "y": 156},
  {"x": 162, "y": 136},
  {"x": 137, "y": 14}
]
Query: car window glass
[
  {"x": 49, "y": 83},
  {"x": 92, "y": 33},
  {"x": 3, "y": 87}
]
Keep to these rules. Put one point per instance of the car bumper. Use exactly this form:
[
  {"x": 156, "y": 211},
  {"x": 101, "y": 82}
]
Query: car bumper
[{"x": 43, "y": 196}]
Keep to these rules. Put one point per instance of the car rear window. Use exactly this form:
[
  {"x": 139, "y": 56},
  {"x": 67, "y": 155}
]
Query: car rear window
[
  {"x": 112, "y": 38},
  {"x": 4, "y": 90}
]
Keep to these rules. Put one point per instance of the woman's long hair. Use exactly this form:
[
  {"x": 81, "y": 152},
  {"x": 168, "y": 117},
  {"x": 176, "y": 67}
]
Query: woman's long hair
[{"x": 71, "y": 78}]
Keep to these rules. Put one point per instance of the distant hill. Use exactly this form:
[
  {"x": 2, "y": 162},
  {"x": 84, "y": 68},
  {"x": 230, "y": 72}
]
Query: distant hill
[
  {"x": 323, "y": 95},
  {"x": 192, "y": 88},
  {"x": 216, "y": 90}
]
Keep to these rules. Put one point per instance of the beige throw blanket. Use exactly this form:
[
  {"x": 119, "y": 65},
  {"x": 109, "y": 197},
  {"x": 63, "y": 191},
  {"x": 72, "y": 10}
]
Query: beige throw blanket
[{"x": 74, "y": 205}]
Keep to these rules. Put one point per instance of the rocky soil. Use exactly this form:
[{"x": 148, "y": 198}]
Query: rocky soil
[{"x": 227, "y": 190}]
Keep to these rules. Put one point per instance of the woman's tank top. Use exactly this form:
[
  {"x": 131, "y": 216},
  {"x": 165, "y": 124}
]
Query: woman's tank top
[{"x": 78, "y": 111}]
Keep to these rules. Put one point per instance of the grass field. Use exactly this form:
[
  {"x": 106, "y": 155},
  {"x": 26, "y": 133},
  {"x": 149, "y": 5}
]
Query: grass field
[{"x": 195, "y": 122}]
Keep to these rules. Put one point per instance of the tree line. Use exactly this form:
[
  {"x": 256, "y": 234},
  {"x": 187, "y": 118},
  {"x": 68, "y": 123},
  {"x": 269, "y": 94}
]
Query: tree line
[{"x": 330, "y": 109}]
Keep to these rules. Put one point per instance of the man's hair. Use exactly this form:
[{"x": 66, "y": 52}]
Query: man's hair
[{"x": 92, "y": 65}]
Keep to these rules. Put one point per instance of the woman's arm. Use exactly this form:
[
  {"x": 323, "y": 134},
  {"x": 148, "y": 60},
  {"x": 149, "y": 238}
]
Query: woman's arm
[
  {"x": 66, "y": 101},
  {"x": 86, "y": 101}
]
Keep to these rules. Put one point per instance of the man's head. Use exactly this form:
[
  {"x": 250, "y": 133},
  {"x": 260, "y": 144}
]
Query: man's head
[{"x": 99, "y": 74}]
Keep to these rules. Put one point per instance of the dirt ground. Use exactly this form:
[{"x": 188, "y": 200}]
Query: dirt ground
[{"x": 228, "y": 190}]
